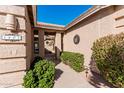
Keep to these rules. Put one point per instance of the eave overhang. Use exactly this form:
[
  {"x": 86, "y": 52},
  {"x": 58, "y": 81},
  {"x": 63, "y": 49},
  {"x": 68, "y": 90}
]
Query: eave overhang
[
  {"x": 80, "y": 18},
  {"x": 50, "y": 26}
]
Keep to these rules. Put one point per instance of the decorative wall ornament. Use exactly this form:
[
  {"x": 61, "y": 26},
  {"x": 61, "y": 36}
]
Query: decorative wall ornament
[
  {"x": 50, "y": 42},
  {"x": 10, "y": 22},
  {"x": 76, "y": 39}
]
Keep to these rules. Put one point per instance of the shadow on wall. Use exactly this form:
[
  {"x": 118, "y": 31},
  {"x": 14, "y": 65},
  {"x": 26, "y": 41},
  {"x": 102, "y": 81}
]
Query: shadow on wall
[
  {"x": 49, "y": 55},
  {"x": 96, "y": 78},
  {"x": 17, "y": 24},
  {"x": 58, "y": 73},
  {"x": 48, "y": 51}
]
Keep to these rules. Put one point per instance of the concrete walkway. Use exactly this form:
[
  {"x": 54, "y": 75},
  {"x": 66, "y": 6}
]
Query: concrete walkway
[
  {"x": 65, "y": 78},
  {"x": 68, "y": 78}
]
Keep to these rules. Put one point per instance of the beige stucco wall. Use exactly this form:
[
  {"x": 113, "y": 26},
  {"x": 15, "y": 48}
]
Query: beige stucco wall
[
  {"x": 15, "y": 55},
  {"x": 119, "y": 19},
  {"x": 97, "y": 25}
]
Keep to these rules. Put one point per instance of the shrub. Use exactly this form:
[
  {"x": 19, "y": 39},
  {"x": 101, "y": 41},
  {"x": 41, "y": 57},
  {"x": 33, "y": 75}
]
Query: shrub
[
  {"x": 108, "y": 53},
  {"x": 42, "y": 76},
  {"x": 74, "y": 60},
  {"x": 29, "y": 80}
]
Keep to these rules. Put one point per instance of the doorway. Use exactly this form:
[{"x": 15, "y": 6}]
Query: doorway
[{"x": 49, "y": 44}]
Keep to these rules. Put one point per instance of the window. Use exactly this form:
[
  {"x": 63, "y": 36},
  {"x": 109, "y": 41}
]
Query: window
[
  {"x": 36, "y": 47},
  {"x": 36, "y": 42}
]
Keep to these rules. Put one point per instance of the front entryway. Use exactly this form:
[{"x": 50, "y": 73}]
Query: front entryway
[{"x": 49, "y": 44}]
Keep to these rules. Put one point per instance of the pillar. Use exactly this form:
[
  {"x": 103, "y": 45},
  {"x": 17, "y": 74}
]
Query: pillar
[
  {"x": 41, "y": 43},
  {"x": 58, "y": 45}
]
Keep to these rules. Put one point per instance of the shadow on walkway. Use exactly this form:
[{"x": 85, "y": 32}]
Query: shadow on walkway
[
  {"x": 58, "y": 73},
  {"x": 52, "y": 56},
  {"x": 98, "y": 81},
  {"x": 57, "y": 61}
]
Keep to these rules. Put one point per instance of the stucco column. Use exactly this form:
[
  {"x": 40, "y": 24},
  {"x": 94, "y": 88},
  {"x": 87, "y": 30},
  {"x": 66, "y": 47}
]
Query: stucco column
[
  {"x": 58, "y": 45},
  {"x": 41, "y": 44}
]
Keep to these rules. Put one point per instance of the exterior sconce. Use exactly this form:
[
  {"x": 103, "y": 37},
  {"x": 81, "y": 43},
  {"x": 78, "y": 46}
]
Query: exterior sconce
[{"x": 10, "y": 22}]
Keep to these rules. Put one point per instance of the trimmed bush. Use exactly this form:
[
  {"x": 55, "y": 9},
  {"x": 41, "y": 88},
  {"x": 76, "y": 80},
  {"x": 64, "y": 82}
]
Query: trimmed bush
[
  {"x": 108, "y": 53},
  {"x": 42, "y": 76},
  {"x": 29, "y": 80},
  {"x": 74, "y": 60}
]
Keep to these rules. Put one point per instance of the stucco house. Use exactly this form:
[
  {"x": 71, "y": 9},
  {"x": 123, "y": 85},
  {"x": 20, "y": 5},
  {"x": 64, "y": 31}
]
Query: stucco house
[{"x": 22, "y": 37}]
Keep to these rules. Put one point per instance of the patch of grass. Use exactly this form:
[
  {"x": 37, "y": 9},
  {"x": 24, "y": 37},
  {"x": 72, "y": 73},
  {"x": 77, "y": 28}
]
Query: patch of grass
[{"x": 74, "y": 60}]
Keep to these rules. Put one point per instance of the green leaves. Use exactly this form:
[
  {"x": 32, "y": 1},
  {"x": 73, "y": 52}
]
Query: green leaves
[
  {"x": 74, "y": 60},
  {"x": 29, "y": 80},
  {"x": 108, "y": 53},
  {"x": 41, "y": 76}
]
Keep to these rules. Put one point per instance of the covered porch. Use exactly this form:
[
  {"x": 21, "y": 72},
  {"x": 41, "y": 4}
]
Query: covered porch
[{"x": 48, "y": 40}]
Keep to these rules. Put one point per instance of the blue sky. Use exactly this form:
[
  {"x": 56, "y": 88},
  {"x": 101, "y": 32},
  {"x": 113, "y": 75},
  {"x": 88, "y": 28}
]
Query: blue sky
[{"x": 60, "y": 14}]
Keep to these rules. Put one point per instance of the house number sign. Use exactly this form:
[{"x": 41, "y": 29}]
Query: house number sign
[{"x": 11, "y": 37}]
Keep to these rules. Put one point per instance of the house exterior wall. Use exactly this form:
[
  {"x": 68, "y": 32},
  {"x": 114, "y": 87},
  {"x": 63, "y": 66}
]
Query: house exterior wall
[
  {"x": 119, "y": 19},
  {"x": 15, "y": 55},
  {"x": 95, "y": 26}
]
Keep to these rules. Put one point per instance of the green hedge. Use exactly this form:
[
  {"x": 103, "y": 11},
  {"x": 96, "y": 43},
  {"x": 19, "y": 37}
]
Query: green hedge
[
  {"x": 74, "y": 60},
  {"x": 108, "y": 53},
  {"x": 41, "y": 76}
]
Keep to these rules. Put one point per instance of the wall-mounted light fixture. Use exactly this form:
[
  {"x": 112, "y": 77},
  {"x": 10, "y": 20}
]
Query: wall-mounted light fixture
[{"x": 10, "y": 22}]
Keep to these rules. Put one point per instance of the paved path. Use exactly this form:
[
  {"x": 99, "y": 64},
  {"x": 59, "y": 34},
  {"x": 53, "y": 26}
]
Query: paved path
[
  {"x": 65, "y": 78},
  {"x": 68, "y": 78}
]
